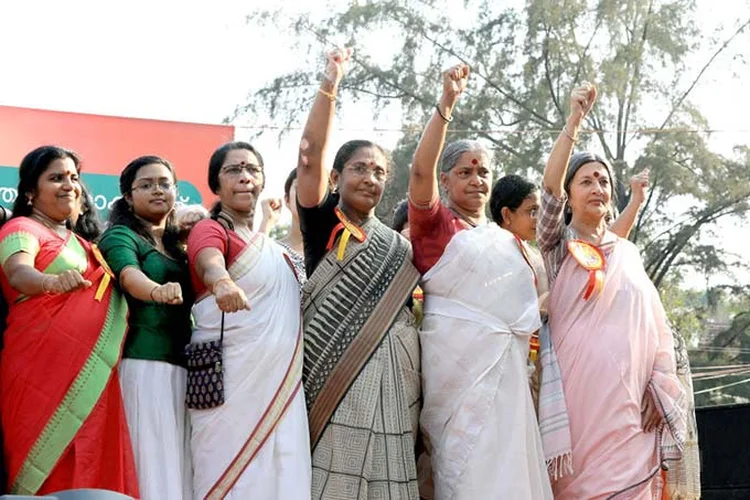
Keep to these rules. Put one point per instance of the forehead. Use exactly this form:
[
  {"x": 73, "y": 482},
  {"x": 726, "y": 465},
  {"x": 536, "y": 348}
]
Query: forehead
[
  {"x": 236, "y": 156},
  {"x": 531, "y": 200},
  {"x": 153, "y": 171},
  {"x": 61, "y": 165},
  {"x": 368, "y": 154},
  {"x": 591, "y": 169},
  {"x": 472, "y": 159}
]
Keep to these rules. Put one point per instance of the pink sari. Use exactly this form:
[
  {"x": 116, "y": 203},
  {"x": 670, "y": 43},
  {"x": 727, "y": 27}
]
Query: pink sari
[{"x": 611, "y": 350}]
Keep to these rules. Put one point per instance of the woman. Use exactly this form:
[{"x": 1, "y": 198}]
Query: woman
[
  {"x": 292, "y": 242},
  {"x": 598, "y": 284},
  {"x": 142, "y": 248},
  {"x": 254, "y": 445},
  {"x": 66, "y": 327},
  {"x": 359, "y": 278},
  {"x": 480, "y": 310}
]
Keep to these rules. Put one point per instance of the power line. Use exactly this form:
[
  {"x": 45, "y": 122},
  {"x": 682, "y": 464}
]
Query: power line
[{"x": 704, "y": 391}]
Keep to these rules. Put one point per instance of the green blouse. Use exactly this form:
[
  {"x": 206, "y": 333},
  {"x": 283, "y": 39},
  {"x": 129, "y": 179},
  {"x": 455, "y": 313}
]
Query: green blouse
[{"x": 157, "y": 332}]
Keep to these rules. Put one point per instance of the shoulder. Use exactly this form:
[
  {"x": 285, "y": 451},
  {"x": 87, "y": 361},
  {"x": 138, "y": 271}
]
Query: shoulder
[
  {"x": 20, "y": 224},
  {"x": 120, "y": 234}
]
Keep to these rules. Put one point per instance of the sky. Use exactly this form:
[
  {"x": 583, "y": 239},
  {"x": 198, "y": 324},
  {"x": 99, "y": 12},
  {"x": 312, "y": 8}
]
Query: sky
[{"x": 195, "y": 61}]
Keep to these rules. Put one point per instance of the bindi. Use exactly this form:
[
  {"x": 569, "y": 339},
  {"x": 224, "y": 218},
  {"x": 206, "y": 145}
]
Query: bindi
[
  {"x": 474, "y": 161},
  {"x": 596, "y": 174}
]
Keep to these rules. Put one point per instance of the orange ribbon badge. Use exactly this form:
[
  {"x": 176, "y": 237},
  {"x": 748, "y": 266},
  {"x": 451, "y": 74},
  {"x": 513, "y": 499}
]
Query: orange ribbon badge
[
  {"x": 350, "y": 229},
  {"x": 591, "y": 259},
  {"x": 106, "y": 277}
]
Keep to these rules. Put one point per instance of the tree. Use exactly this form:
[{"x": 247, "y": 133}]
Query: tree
[{"x": 525, "y": 61}]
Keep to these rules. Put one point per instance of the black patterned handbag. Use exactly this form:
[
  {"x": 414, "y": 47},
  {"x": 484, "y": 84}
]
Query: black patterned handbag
[{"x": 205, "y": 368}]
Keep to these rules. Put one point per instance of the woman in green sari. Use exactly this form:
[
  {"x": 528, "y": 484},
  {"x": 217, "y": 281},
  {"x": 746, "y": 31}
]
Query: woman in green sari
[{"x": 360, "y": 276}]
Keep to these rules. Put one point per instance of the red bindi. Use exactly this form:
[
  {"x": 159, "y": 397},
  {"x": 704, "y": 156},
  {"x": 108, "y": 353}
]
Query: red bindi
[
  {"x": 474, "y": 161},
  {"x": 596, "y": 174}
]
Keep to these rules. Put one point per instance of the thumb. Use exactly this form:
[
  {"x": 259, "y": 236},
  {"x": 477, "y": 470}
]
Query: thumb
[{"x": 86, "y": 283}]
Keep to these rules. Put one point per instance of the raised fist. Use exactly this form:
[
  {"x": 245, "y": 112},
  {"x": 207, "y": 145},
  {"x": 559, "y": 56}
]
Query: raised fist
[
  {"x": 336, "y": 63},
  {"x": 638, "y": 185},
  {"x": 582, "y": 100},
  {"x": 455, "y": 80}
]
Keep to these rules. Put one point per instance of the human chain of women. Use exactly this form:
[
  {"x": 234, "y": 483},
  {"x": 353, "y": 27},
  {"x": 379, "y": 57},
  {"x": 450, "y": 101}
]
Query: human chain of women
[{"x": 181, "y": 353}]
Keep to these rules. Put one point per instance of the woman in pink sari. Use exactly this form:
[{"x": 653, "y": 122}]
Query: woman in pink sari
[{"x": 612, "y": 410}]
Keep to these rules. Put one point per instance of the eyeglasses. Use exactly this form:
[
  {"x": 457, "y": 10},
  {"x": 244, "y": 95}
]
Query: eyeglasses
[
  {"x": 151, "y": 186},
  {"x": 362, "y": 170},
  {"x": 236, "y": 170}
]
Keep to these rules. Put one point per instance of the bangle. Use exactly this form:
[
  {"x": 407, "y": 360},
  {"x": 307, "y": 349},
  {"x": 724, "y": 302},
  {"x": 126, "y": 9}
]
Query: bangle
[
  {"x": 44, "y": 280},
  {"x": 151, "y": 293},
  {"x": 224, "y": 278},
  {"x": 331, "y": 97},
  {"x": 447, "y": 120},
  {"x": 569, "y": 135}
]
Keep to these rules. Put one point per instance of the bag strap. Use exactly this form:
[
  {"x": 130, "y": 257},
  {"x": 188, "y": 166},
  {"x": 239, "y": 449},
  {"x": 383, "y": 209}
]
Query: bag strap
[{"x": 226, "y": 263}]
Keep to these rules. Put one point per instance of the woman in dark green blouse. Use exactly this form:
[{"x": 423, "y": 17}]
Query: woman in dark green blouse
[{"x": 142, "y": 247}]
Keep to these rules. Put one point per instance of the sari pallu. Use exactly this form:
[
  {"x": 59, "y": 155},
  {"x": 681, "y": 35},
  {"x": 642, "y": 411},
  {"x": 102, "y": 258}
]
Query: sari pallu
[
  {"x": 62, "y": 412},
  {"x": 481, "y": 307},
  {"x": 256, "y": 444},
  {"x": 611, "y": 350},
  {"x": 355, "y": 383}
]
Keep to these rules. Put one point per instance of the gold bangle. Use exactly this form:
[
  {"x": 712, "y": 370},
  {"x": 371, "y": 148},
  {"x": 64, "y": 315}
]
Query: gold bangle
[
  {"x": 331, "y": 97},
  {"x": 569, "y": 135},
  {"x": 44, "y": 280}
]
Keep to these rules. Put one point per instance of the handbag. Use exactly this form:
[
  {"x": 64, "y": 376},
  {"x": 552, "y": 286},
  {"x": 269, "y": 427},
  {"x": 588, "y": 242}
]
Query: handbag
[{"x": 205, "y": 367}]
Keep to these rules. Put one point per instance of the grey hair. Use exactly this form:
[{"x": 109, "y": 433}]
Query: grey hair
[{"x": 454, "y": 150}]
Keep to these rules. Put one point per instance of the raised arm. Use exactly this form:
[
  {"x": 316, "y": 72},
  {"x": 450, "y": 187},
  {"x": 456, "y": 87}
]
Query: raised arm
[
  {"x": 423, "y": 184},
  {"x": 312, "y": 176},
  {"x": 211, "y": 269},
  {"x": 625, "y": 222},
  {"x": 26, "y": 279},
  {"x": 581, "y": 101}
]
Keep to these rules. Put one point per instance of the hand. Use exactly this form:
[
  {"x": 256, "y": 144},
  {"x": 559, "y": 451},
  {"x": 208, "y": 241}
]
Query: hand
[
  {"x": 188, "y": 216},
  {"x": 65, "y": 282},
  {"x": 638, "y": 185},
  {"x": 581, "y": 101},
  {"x": 271, "y": 210},
  {"x": 455, "y": 80},
  {"x": 337, "y": 61},
  {"x": 229, "y": 297},
  {"x": 650, "y": 416},
  {"x": 168, "y": 293}
]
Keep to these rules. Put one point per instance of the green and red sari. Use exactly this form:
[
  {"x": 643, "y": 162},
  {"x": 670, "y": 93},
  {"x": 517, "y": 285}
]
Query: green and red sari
[{"x": 60, "y": 404}]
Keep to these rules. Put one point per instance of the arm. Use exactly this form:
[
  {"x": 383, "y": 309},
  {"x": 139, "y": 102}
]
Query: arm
[
  {"x": 210, "y": 268},
  {"x": 312, "y": 180},
  {"x": 271, "y": 211},
  {"x": 25, "y": 279},
  {"x": 141, "y": 287},
  {"x": 423, "y": 185},
  {"x": 625, "y": 222},
  {"x": 581, "y": 101}
]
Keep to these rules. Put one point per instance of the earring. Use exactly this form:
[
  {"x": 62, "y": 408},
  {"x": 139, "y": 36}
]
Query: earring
[{"x": 29, "y": 201}]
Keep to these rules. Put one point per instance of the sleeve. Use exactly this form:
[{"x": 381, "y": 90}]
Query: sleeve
[
  {"x": 206, "y": 234},
  {"x": 15, "y": 238},
  {"x": 316, "y": 224},
  {"x": 550, "y": 223},
  {"x": 120, "y": 249},
  {"x": 424, "y": 219}
]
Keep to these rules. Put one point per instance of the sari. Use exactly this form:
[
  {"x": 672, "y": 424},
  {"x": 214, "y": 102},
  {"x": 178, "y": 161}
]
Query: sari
[
  {"x": 256, "y": 444},
  {"x": 358, "y": 390},
  {"x": 62, "y": 412},
  {"x": 481, "y": 307},
  {"x": 611, "y": 350}
]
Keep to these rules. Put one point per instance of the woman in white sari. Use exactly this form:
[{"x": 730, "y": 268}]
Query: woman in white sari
[
  {"x": 480, "y": 311},
  {"x": 254, "y": 445}
]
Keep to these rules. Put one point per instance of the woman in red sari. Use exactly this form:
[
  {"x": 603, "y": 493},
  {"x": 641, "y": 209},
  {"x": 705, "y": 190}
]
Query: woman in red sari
[{"x": 61, "y": 408}]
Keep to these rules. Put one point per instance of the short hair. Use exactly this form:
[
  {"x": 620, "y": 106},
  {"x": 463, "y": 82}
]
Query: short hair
[
  {"x": 400, "y": 215},
  {"x": 289, "y": 181},
  {"x": 509, "y": 191}
]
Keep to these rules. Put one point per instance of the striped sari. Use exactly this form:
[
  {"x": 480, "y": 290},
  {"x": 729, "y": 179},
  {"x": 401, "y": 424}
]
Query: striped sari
[{"x": 355, "y": 376}]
